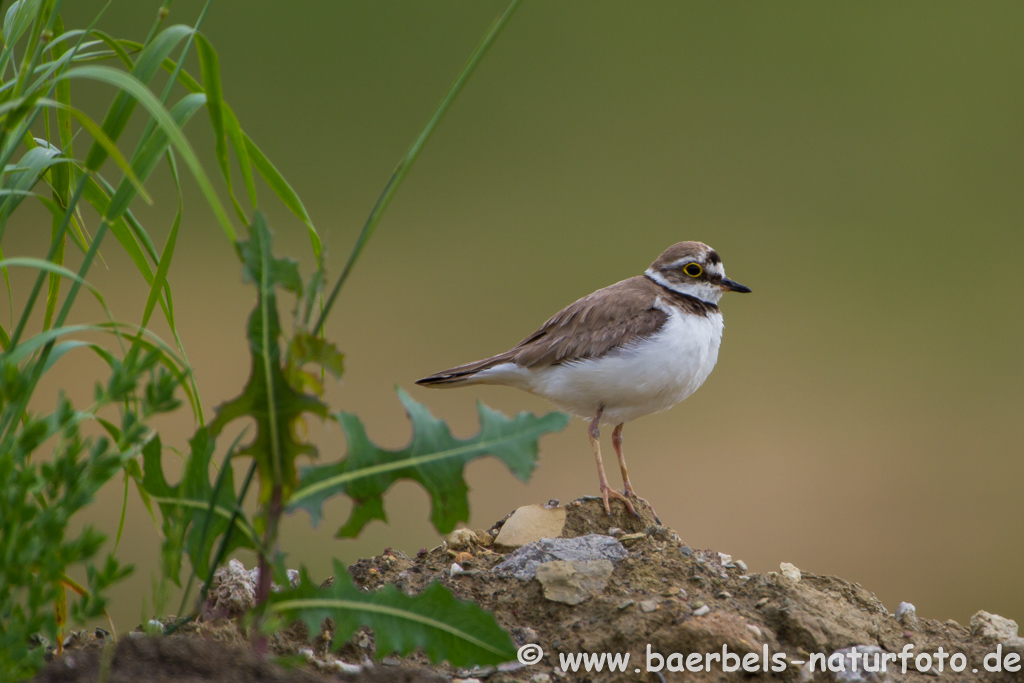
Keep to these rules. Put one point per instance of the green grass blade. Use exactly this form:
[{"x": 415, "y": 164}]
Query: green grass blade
[
  {"x": 59, "y": 271},
  {"x": 283, "y": 190},
  {"x": 163, "y": 118},
  {"x": 210, "y": 70},
  {"x": 124, "y": 102}
]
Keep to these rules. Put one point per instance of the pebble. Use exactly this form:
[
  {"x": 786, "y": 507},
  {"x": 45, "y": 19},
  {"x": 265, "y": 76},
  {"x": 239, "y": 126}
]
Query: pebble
[
  {"x": 615, "y": 531},
  {"x": 626, "y": 603},
  {"x": 724, "y": 595},
  {"x": 725, "y": 559},
  {"x": 790, "y": 571},
  {"x": 761, "y": 603},
  {"x": 523, "y": 635},
  {"x": 741, "y": 565},
  {"x": 540, "y": 678},
  {"x": 531, "y": 523},
  {"x": 456, "y": 569},
  {"x": 701, "y": 611},
  {"x": 631, "y": 539},
  {"x": 648, "y": 606},
  {"x": 906, "y": 614},
  {"x": 686, "y": 550},
  {"x": 460, "y": 539}
]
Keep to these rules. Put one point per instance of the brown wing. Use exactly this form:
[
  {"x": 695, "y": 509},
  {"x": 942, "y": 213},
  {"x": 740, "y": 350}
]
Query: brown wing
[{"x": 609, "y": 318}]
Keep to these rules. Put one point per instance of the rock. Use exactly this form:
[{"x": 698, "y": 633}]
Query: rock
[
  {"x": 573, "y": 582},
  {"x": 790, "y": 571},
  {"x": 853, "y": 665},
  {"x": 523, "y": 563},
  {"x": 1015, "y": 644},
  {"x": 631, "y": 539},
  {"x": 540, "y": 678},
  {"x": 232, "y": 591},
  {"x": 906, "y": 614},
  {"x": 993, "y": 627},
  {"x": 460, "y": 539},
  {"x": 741, "y": 565},
  {"x": 524, "y": 634},
  {"x": 701, "y": 611},
  {"x": 648, "y": 606},
  {"x": 531, "y": 523}
]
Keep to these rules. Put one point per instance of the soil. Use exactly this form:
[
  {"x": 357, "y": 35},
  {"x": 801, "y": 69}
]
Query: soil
[{"x": 662, "y": 595}]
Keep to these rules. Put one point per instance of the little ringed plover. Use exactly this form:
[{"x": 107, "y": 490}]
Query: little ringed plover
[{"x": 631, "y": 349}]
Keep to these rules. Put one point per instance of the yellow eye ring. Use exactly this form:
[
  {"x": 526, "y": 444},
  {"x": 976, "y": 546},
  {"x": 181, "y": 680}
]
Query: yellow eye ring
[{"x": 693, "y": 269}]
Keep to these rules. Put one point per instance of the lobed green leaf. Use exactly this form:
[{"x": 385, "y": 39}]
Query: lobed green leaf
[
  {"x": 434, "y": 458},
  {"x": 446, "y": 628}
]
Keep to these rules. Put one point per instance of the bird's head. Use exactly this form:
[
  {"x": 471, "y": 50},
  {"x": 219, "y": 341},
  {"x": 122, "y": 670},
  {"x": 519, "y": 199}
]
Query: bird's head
[{"x": 694, "y": 269}]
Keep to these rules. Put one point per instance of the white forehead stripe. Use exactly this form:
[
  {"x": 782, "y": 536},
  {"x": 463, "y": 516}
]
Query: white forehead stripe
[{"x": 715, "y": 268}]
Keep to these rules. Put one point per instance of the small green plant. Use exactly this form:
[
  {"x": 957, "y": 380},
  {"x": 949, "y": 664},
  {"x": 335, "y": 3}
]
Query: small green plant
[
  {"x": 39, "y": 499},
  {"x": 52, "y": 464},
  {"x": 84, "y": 450}
]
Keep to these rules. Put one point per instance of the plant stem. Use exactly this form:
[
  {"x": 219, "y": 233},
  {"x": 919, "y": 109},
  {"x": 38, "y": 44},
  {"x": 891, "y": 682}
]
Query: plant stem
[{"x": 274, "y": 510}]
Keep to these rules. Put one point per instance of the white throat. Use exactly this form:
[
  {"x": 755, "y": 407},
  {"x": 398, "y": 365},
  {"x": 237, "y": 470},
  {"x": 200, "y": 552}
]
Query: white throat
[{"x": 698, "y": 290}]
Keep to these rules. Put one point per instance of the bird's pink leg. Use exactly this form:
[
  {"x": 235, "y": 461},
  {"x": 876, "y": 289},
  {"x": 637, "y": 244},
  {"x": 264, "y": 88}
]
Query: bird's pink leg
[
  {"x": 607, "y": 492},
  {"x": 627, "y": 488}
]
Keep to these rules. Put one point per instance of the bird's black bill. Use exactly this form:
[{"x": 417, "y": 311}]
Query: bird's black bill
[{"x": 734, "y": 286}]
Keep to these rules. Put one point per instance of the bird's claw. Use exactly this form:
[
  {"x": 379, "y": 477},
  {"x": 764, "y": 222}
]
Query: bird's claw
[
  {"x": 627, "y": 490},
  {"x": 607, "y": 493}
]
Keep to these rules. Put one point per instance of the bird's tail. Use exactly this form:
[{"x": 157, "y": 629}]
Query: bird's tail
[{"x": 470, "y": 373}]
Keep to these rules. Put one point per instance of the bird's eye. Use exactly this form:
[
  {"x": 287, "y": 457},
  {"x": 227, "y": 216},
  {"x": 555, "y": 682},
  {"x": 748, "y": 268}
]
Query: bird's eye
[{"x": 693, "y": 269}]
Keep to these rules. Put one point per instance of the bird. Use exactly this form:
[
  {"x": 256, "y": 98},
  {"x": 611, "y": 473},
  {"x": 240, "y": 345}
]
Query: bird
[{"x": 631, "y": 349}]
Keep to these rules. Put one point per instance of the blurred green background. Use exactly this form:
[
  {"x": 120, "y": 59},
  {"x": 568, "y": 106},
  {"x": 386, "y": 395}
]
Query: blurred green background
[{"x": 859, "y": 165}]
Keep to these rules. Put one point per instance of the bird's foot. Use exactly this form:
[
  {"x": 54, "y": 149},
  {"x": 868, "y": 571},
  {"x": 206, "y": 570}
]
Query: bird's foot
[
  {"x": 627, "y": 491},
  {"x": 608, "y": 493}
]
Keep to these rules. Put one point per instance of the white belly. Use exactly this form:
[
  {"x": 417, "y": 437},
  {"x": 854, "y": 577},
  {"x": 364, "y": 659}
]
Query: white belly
[{"x": 632, "y": 381}]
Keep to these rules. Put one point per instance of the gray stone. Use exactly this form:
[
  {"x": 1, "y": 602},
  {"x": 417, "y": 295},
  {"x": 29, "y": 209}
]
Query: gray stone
[
  {"x": 906, "y": 614},
  {"x": 993, "y": 627},
  {"x": 523, "y": 563},
  {"x": 573, "y": 582}
]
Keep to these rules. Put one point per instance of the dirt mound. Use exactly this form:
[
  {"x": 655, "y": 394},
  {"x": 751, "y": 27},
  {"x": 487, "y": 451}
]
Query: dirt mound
[{"x": 620, "y": 585}]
